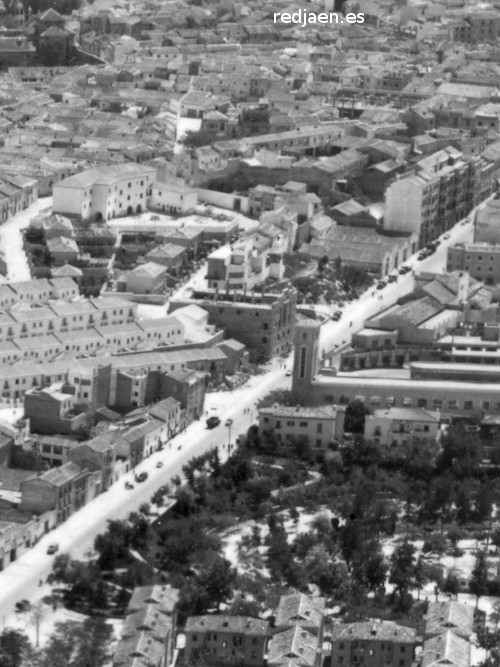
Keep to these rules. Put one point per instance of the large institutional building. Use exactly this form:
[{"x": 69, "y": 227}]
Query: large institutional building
[
  {"x": 452, "y": 389},
  {"x": 105, "y": 192}
]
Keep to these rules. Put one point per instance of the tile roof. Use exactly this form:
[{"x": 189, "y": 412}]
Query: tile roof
[
  {"x": 151, "y": 269},
  {"x": 296, "y": 644},
  {"x": 446, "y": 649},
  {"x": 59, "y": 476},
  {"x": 442, "y": 616},
  {"x": 303, "y": 610},
  {"x": 234, "y": 624},
  {"x": 382, "y": 630}
]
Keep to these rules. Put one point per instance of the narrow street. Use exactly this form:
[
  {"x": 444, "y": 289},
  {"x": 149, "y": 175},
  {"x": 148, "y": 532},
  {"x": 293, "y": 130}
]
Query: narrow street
[{"x": 11, "y": 241}]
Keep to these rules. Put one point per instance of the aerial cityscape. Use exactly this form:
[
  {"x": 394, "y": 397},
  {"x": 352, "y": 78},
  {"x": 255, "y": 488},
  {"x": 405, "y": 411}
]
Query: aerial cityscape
[{"x": 249, "y": 333}]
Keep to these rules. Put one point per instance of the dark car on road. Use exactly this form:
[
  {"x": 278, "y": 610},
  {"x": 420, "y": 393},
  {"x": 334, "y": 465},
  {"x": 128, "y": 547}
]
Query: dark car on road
[
  {"x": 213, "y": 422},
  {"x": 337, "y": 315},
  {"x": 142, "y": 477}
]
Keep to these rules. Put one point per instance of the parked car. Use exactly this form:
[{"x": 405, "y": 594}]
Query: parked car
[
  {"x": 52, "y": 549},
  {"x": 128, "y": 485},
  {"x": 288, "y": 374},
  {"x": 337, "y": 315},
  {"x": 381, "y": 284},
  {"x": 213, "y": 422},
  {"x": 229, "y": 422},
  {"x": 393, "y": 279},
  {"x": 142, "y": 477},
  {"x": 159, "y": 464},
  {"x": 446, "y": 236}
]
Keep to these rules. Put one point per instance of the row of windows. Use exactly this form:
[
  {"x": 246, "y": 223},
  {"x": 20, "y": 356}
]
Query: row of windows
[{"x": 436, "y": 404}]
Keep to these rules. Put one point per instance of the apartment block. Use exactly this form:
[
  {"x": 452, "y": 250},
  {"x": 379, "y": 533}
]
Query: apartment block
[
  {"x": 396, "y": 427},
  {"x": 241, "y": 266},
  {"x": 372, "y": 643},
  {"x": 148, "y": 632},
  {"x": 480, "y": 260},
  {"x": 477, "y": 27},
  {"x": 221, "y": 639},
  {"x": 52, "y": 410},
  {"x": 264, "y": 323},
  {"x": 318, "y": 426},
  {"x": 65, "y": 489},
  {"x": 443, "y": 189}
]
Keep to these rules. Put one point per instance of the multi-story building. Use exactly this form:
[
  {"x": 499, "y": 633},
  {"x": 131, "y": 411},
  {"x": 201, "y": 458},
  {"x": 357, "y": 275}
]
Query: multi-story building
[
  {"x": 480, "y": 260},
  {"x": 149, "y": 628},
  {"x": 487, "y": 223},
  {"x": 169, "y": 411},
  {"x": 19, "y": 531},
  {"x": 396, "y": 427},
  {"x": 306, "y": 611},
  {"x": 53, "y": 450},
  {"x": 294, "y": 646},
  {"x": 148, "y": 278},
  {"x": 264, "y": 323},
  {"x": 187, "y": 387},
  {"x": 221, "y": 639},
  {"x": 455, "y": 616},
  {"x": 65, "y": 489},
  {"x": 52, "y": 410},
  {"x": 172, "y": 198},
  {"x": 446, "y": 649},
  {"x": 318, "y": 426},
  {"x": 443, "y": 189},
  {"x": 372, "y": 643},
  {"x": 103, "y": 193},
  {"x": 451, "y": 389},
  {"x": 477, "y": 27},
  {"x": 99, "y": 454},
  {"x": 241, "y": 266}
]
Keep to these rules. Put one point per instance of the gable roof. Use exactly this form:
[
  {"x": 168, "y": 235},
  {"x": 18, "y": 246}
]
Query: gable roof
[
  {"x": 446, "y": 649},
  {"x": 442, "y": 616},
  {"x": 296, "y": 644}
]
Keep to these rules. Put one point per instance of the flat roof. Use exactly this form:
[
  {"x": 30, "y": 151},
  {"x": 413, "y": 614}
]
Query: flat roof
[{"x": 404, "y": 384}]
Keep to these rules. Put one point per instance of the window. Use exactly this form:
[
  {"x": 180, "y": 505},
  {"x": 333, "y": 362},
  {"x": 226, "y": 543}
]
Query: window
[
  {"x": 318, "y": 442},
  {"x": 319, "y": 428},
  {"x": 485, "y": 405},
  {"x": 195, "y": 638},
  {"x": 290, "y": 423},
  {"x": 303, "y": 424},
  {"x": 422, "y": 403},
  {"x": 264, "y": 340},
  {"x": 468, "y": 405}
]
